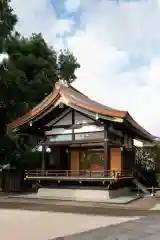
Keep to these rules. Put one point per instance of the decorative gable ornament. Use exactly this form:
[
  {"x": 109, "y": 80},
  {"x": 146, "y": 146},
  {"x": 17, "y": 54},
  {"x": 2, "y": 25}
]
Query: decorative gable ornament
[
  {"x": 61, "y": 82},
  {"x": 61, "y": 105}
]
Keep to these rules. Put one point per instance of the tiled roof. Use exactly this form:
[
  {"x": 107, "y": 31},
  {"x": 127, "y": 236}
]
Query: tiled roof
[{"x": 72, "y": 97}]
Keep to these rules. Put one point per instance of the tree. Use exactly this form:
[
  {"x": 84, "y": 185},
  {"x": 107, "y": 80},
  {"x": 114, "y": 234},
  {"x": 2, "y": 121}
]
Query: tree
[
  {"x": 7, "y": 22},
  {"x": 33, "y": 70},
  {"x": 146, "y": 165},
  {"x": 145, "y": 158},
  {"x": 149, "y": 156}
]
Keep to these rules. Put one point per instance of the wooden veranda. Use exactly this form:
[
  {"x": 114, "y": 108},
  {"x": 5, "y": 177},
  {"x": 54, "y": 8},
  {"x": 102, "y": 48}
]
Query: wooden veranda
[{"x": 81, "y": 175}]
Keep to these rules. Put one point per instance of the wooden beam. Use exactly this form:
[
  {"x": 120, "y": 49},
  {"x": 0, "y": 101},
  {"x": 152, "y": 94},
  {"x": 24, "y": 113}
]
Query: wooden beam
[
  {"x": 59, "y": 118},
  {"x": 73, "y": 123},
  {"x": 105, "y": 149},
  {"x": 43, "y": 156}
]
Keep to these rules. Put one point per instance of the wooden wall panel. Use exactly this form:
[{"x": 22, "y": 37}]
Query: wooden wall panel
[
  {"x": 115, "y": 159},
  {"x": 74, "y": 158}
]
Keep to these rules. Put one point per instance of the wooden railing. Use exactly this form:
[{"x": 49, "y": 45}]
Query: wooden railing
[{"x": 78, "y": 174}]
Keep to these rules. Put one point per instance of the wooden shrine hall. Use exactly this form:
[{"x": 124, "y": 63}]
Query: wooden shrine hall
[{"x": 87, "y": 140}]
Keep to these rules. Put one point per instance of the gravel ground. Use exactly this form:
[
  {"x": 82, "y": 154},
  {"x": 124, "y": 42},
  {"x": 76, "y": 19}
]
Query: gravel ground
[{"x": 37, "y": 225}]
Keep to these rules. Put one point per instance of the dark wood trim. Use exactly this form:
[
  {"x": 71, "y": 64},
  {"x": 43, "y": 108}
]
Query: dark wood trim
[
  {"x": 91, "y": 113},
  {"x": 109, "y": 158},
  {"x": 70, "y": 126},
  {"x": 73, "y": 111},
  {"x": 105, "y": 148},
  {"x": 118, "y": 133},
  {"x": 55, "y": 127},
  {"x": 122, "y": 159},
  {"x": 73, "y": 123},
  {"x": 110, "y": 142},
  {"x": 53, "y": 135},
  {"x": 85, "y": 115},
  {"x": 43, "y": 156},
  {"x": 132, "y": 143},
  {"x": 59, "y": 118},
  {"x": 134, "y": 155},
  {"x": 74, "y": 133},
  {"x": 134, "y": 132},
  {"x": 75, "y": 142}
]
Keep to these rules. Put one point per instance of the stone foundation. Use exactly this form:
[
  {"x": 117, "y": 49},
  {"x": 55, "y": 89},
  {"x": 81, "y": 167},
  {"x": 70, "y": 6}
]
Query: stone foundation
[{"x": 82, "y": 194}]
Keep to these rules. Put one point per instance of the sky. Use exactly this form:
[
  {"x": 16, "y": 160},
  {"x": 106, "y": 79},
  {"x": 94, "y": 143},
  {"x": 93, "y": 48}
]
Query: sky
[{"x": 117, "y": 43}]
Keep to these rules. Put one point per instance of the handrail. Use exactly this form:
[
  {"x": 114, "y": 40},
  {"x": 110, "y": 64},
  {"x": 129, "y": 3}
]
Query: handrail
[{"x": 78, "y": 173}]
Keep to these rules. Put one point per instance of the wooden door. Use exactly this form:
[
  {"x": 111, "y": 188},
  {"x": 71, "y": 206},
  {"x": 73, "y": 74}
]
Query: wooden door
[
  {"x": 115, "y": 159},
  {"x": 74, "y": 161}
]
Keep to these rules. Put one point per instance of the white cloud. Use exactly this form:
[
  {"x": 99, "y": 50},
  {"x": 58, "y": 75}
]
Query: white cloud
[
  {"x": 72, "y": 5},
  {"x": 154, "y": 72},
  {"x": 112, "y": 35},
  {"x": 39, "y": 16}
]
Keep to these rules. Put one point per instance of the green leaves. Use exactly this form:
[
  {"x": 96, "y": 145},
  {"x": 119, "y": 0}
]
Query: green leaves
[
  {"x": 146, "y": 157},
  {"x": 33, "y": 70},
  {"x": 7, "y": 22},
  {"x": 67, "y": 64}
]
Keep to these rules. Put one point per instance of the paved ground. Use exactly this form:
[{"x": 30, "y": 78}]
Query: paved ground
[
  {"x": 35, "y": 225},
  {"x": 146, "y": 228}
]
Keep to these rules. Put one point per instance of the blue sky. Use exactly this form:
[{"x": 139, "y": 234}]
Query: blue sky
[
  {"x": 116, "y": 42},
  {"x": 62, "y": 13}
]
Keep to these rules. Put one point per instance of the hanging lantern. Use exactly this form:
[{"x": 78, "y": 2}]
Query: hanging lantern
[
  {"x": 30, "y": 124},
  {"x": 97, "y": 117}
]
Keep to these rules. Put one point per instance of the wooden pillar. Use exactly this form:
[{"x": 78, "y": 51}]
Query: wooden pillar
[
  {"x": 73, "y": 122},
  {"x": 106, "y": 149},
  {"x": 133, "y": 156},
  {"x": 43, "y": 157}
]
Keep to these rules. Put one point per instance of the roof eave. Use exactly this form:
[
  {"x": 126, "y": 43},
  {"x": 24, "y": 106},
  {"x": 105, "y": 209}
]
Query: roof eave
[
  {"x": 35, "y": 112},
  {"x": 145, "y": 134}
]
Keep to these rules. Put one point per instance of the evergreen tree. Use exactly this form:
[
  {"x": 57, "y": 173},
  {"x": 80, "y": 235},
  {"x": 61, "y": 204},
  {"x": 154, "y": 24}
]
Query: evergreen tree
[
  {"x": 31, "y": 74},
  {"x": 7, "y": 22}
]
